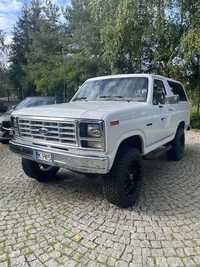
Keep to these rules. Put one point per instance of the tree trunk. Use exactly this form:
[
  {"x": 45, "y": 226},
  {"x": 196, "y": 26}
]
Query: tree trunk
[
  {"x": 198, "y": 88},
  {"x": 198, "y": 104}
]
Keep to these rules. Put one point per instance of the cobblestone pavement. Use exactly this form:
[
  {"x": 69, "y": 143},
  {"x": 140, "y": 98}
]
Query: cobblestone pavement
[{"x": 68, "y": 223}]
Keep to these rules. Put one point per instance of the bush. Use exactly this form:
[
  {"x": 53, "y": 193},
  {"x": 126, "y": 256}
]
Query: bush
[{"x": 195, "y": 120}]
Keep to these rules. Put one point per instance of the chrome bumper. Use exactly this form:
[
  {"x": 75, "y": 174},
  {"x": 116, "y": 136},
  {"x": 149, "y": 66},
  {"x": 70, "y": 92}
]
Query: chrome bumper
[{"x": 78, "y": 163}]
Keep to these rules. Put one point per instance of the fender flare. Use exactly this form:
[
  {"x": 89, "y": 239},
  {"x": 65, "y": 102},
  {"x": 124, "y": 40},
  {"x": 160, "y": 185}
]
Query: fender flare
[{"x": 121, "y": 139}]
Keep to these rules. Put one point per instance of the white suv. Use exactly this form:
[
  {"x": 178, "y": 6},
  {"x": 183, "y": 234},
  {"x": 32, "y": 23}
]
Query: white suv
[{"x": 107, "y": 128}]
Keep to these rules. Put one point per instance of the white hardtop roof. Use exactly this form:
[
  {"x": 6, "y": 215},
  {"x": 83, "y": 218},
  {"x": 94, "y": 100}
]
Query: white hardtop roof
[{"x": 130, "y": 76}]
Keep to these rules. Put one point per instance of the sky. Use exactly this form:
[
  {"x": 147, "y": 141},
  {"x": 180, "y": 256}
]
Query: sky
[{"x": 10, "y": 11}]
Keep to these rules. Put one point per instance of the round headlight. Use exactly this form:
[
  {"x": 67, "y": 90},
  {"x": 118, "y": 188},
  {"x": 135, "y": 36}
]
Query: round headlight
[{"x": 94, "y": 130}]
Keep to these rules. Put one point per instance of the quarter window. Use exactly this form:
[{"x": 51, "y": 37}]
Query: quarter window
[{"x": 177, "y": 89}]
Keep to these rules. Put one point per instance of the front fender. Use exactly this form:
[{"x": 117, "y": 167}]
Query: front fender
[{"x": 122, "y": 138}]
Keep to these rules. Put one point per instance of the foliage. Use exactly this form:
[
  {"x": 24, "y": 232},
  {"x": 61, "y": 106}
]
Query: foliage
[
  {"x": 191, "y": 50},
  {"x": 3, "y": 70},
  {"x": 1, "y": 41},
  {"x": 19, "y": 48},
  {"x": 195, "y": 120},
  {"x": 98, "y": 37}
]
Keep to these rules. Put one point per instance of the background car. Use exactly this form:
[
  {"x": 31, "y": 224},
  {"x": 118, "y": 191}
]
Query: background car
[
  {"x": 3, "y": 108},
  {"x": 5, "y": 123}
]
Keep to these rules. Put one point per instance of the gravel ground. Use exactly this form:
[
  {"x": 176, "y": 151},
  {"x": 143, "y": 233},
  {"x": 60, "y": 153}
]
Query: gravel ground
[{"x": 69, "y": 223}]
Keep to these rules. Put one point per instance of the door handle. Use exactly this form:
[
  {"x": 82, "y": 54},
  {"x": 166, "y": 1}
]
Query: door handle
[
  {"x": 171, "y": 109},
  {"x": 149, "y": 124},
  {"x": 163, "y": 119}
]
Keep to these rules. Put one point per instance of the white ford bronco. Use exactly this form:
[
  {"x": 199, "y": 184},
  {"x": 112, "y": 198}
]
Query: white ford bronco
[{"x": 110, "y": 124}]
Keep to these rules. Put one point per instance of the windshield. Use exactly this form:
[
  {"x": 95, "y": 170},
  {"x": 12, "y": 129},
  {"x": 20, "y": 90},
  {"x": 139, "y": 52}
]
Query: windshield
[
  {"x": 131, "y": 89},
  {"x": 33, "y": 102}
]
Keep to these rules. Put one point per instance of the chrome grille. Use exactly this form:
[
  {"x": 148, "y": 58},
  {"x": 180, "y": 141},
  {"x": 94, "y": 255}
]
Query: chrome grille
[{"x": 46, "y": 131}]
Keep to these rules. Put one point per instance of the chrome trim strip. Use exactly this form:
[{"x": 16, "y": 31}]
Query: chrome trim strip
[{"x": 45, "y": 118}]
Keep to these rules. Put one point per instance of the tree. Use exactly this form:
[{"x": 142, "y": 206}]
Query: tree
[
  {"x": 85, "y": 35},
  {"x": 1, "y": 41},
  {"x": 191, "y": 49},
  {"x": 3, "y": 69},
  {"x": 45, "y": 50},
  {"x": 100, "y": 37},
  {"x": 19, "y": 50},
  {"x": 36, "y": 49},
  {"x": 122, "y": 33}
]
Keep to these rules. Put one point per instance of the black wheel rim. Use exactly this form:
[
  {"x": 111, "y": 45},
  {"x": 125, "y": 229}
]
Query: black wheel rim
[{"x": 44, "y": 167}]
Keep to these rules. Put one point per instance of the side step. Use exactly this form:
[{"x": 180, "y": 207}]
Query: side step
[{"x": 157, "y": 153}]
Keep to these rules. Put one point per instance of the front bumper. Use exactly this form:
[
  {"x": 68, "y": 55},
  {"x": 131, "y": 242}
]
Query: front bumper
[{"x": 74, "y": 162}]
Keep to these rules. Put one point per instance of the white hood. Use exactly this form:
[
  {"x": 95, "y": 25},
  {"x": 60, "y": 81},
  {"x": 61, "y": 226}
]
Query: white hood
[{"x": 80, "y": 109}]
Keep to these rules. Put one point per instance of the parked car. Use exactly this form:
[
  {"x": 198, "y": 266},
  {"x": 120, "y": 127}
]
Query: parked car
[
  {"x": 5, "y": 123},
  {"x": 3, "y": 107},
  {"x": 108, "y": 127}
]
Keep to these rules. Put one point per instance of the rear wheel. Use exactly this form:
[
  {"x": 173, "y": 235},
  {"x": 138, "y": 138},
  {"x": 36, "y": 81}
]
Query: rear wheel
[
  {"x": 40, "y": 172},
  {"x": 177, "y": 146},
  {"x": 122, "y": 185}
]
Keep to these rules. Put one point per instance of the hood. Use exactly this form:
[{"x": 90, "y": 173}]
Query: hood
[{"x": 80, "y": 109}]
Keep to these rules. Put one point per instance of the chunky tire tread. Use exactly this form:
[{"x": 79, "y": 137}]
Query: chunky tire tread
[
  {"x": 32, "y": 170},
  {"x": 92, "y": 176},
  {"x": 176, "y": 153},
  {"x": 113, "y": 186}
]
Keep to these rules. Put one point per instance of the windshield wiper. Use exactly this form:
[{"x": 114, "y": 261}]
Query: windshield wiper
[
  {"x": 80, "y": 98},
  {"x": 115, "y": 97},
  {"x": 111, "y": 96}
]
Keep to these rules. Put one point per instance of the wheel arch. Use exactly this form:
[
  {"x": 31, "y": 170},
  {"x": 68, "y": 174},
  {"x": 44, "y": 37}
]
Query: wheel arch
[
  {"x": 181, "y": 125},
  {"x": 134, "y": 140}
]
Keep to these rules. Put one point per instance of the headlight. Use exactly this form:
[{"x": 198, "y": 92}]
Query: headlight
[
  {"x": 93, "y": 130},
  {"x": 92, "y": 135}
]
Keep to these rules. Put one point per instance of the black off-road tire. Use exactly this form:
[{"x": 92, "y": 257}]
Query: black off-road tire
[
  {"x": 177, "y": 150},
  {"x": 4, "y": 141},
  {"x": 122, "y": 185},
  {"x": 92, "y": 176},
  {"x": 42, "y": 173}
]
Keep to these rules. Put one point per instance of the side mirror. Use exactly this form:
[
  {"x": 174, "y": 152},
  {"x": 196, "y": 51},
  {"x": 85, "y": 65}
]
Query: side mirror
[{"x": 172, "y": 99}]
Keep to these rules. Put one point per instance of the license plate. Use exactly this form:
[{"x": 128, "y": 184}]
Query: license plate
[{"x": 43, "y": 156}]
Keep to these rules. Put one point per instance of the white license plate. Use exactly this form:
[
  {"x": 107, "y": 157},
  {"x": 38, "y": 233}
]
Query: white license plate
[{"x": 43, "y": 156}]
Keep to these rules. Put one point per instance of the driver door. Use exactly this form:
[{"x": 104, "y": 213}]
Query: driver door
[{"x": 161, "y": 109}]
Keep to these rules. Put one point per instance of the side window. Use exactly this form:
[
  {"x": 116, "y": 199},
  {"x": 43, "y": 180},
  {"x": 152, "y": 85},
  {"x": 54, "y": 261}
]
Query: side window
[
  {"x": 159, "y": 92},
  {"x": 177, "y": 89}
]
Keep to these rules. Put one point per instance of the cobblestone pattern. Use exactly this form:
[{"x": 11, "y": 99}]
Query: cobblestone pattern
[{"x": 68, "y": 223}]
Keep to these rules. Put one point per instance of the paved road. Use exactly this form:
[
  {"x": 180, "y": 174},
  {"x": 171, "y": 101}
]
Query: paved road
[{"x": 68, "y": 223}]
